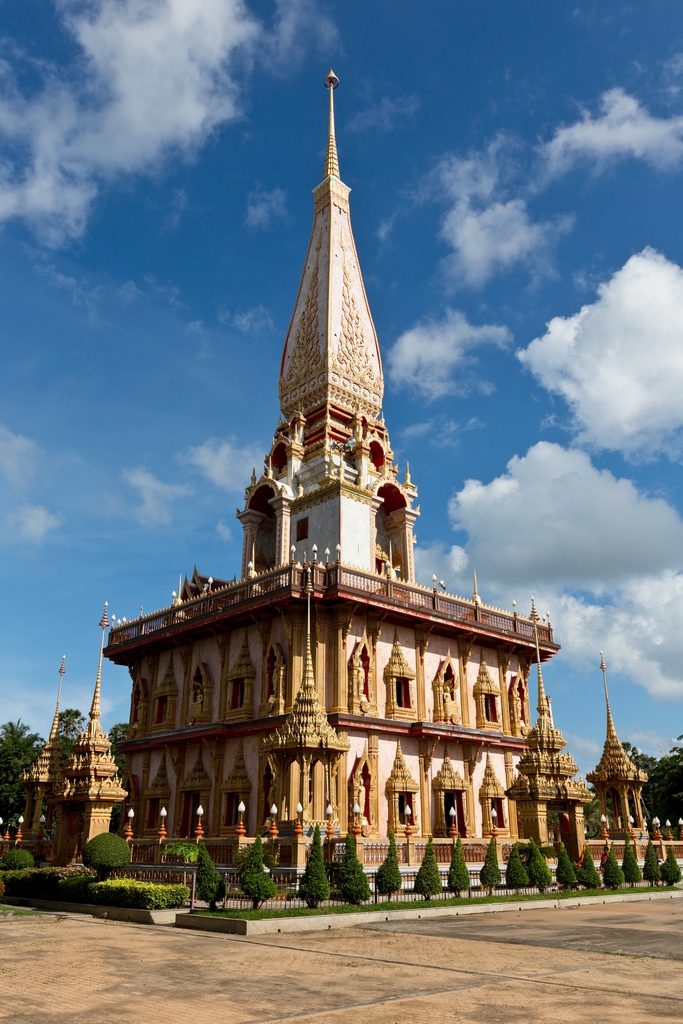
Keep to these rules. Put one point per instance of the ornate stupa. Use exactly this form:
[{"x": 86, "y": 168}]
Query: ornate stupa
[
  {"x": 546, "y": 781},
  {"x": 616, "y": 779}
]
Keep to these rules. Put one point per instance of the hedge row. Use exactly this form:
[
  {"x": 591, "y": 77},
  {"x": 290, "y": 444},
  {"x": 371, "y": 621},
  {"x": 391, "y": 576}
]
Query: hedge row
[{"x": 79, "y": 885}]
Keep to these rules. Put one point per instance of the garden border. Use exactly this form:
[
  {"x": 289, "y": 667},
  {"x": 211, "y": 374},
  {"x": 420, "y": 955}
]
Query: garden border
[
  {"x": 326, "y": 922},
  {"x": 136, "y": 916}
]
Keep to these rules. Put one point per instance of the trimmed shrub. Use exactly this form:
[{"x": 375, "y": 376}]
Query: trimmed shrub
[
  {"x": 428, "y": 879},
  {"x": 587, "y": 875},
  {"x": 515, "y": 873},
  {"x": 127, "y": 892},
  {"x": 612, "y": 875},
  {"x": 389, "y": 878},
  {"x": 565, "y": 872},
  {"x": 17, "y": 860},
  {"x": 256, "y": 884},
  {"x": 670, "y": 871},
  {"x": 76, "y": 889},
  {"x": 210, "y": 884},
  {"x": 490, "y": 875},
  {"x": 538, "y": 871},
  {"x": 41, "y": 883},
  {"x": 651, "y": 870},
  {"x": 458, "y": 873},
  {"x": 629, "y": 865},
  {"x": 105, "y": 853},
  {"x": 353, "y": 885},
  {"x": 314, "y": 886}
]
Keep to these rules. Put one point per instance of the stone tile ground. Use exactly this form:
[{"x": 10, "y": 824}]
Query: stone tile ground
[{"x": 618, "y": 963}]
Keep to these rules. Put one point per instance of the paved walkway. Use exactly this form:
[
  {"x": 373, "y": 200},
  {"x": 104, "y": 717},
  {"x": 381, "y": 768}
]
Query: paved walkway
[{"x": 543, "y": 966}]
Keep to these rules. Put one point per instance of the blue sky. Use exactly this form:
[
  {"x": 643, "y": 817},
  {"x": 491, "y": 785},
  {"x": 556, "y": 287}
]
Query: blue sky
[{"x": 516, "y": 175}]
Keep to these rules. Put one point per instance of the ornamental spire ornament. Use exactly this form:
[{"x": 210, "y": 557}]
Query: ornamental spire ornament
[
  {"x": 93, "y": 728},
  {"x": 54, "y": 731},
  {"x": 331, "y": 160}
]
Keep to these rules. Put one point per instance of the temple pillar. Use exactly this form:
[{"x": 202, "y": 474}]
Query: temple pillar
[
  {"x": 512, "y": 806},
  {"x": 281, "y": 505},
  {"x": 464, "y": 651},
  {"x": 341, "y": 623}
]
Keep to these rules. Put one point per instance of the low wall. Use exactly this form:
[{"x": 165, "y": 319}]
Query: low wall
[{"x": 168, "y": 917}]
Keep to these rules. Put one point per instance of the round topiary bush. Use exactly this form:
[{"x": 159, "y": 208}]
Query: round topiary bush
[
  {"x": 105, "y": 853},
  {"x": 17, "y": 860}
]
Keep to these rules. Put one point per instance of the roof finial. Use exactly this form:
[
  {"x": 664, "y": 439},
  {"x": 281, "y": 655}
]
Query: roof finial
[
  {"x": 331, "y": 161},
  {"x": 533, "y": 614},
  {"x": 475, "y": 597},
  {"x": 308, "y": 681},
  {"x": 543, "y": 706},
  {"x": 611, "y": 731},
  {"x": 93, "y": 727},
  {"x": 55, "y": 721}
]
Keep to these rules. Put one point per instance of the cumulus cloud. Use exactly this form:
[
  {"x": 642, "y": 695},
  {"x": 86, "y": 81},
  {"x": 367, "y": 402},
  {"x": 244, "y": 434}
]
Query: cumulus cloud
[
  {"x": 604, "y": 556},
  {"x": 18, "y": 458},
  {"x": 623, "y": 128},
  {"x": 264, "y": 207},
  {"x": 146, "y": 79},
  {"x": 383, "y": 116},
  {"x": 618, "y": 362},
  {"x": 224, "y": 463},
  {"x": 488, "y": 231},
  {"x": 157, "y": 497},
  {"x": 435, "y": 357},
  {"x": 30, "y": 523}
]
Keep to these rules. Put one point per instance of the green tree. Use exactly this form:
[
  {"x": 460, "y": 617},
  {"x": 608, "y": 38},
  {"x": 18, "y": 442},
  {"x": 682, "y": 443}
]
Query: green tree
[
  {"x": 19, "y": 747},
  {"x": 515, "y": 873},
  {"x": 17, "y": 860},
  {"x": 353, "y": 885},
  {"x": 458, "y": 873},
  {"x": 256, "y": 884},
  {"x": 651, "y": 869},
  {"x": 210, "y": 884},
  {"x": 564, "y": 872},
  {"x": 117, "y": 735},
  {"x": 670, "y": 871},
  {"x": 183, "y": 848},
  {"x": 587, "y": 875},
  {"x": 389, "y": 878},
  {"x": 629, "y": 865},
  {"x": 105, "y": 853},
  {"x": 428, "y": 878},
  {"x": 71, "y": 722},
  {"x": 538, "y": 871},
  {"x": 314, "y": 887},
  {"x": 612, "y": 875},
  {"x": 490, "y": 875}
]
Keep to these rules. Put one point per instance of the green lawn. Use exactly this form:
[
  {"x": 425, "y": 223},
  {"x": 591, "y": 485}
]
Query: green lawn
[{"x": 258, "y": 915}]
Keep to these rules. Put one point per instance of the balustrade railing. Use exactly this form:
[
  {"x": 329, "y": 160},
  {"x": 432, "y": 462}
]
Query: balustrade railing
[{"x": 326, "y": 578}]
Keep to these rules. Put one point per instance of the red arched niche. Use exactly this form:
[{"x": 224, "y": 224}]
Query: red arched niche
[
  {"x": 260, "y": 500},
  {"x": 376, "y": 454},
  {"x": 279, "y": 457},
  {"x": 393, "y": 499}
]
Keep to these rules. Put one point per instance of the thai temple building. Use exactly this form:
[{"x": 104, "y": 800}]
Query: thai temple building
[{"x": 408, "y": 704}]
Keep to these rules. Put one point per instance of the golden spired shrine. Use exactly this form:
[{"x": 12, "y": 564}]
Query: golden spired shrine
[{"x": 325, "y": 685}]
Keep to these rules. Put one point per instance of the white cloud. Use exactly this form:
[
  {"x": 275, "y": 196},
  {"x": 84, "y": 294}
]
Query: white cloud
[
  {"x": 224, "y": 463},
  {"x": 223, "y": 530},
  {"x": 488, "y": 232},
  {"x": 251, "y": 321},
  {"x": 435, "y": 357},
  {"x": 30, "y": 523},
  {"x": 618, "y": 362},
  {"x": 622, "y": 129},
  {"x": 265, "y": 207},
  {"x": 148, "y": 78},
  {"x": 157, "y": 497},
  {"x": 383, "y": 116},
  {"x": 603, "y": 556},
  {"x": 18, "y": 458}
]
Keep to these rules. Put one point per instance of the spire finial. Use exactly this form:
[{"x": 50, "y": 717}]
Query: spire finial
[
  {"x": 475, "y": 597},
  {"x": 331, "y": 161},
  {"x": 55, "y": 721},
  {"x": 543, "y": 706},
  {"x": 93, "y": 726},
  {"x": 308, "y": 681},
  {"x": 611, "y": 731}
]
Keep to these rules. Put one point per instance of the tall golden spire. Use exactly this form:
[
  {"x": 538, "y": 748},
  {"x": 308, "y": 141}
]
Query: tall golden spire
[
  {"x": 93, "y": 727},
  {"x": 331, "y": 161},
  {"x": 543, "y": 706},
  {"x": 55, "y": 721},
  {"x": 611, "y": 730}
]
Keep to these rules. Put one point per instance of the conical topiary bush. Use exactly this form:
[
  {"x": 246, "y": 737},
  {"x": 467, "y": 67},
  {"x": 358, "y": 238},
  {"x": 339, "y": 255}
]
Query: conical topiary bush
[
  {"x": 256, "y": 884},
  {"x": 515, "y": 873},
  {"x": 670, "y": 871},
  {"x": 587, "y": 875},
  {"x": 629, "y": 865},
  {"x": 428, "y": 880},
  {"x": 538, "y": 871},
  {"x": 388, "y": 880},
  {"x": 314, "y": 887},
  {"x": 458, "y": 873},
  {"x": 353, "y": 885},
  {"x": 490, "y": 875},
  {"x": 564, "y": 873},
  {"x": 210, "y": 884},
  {"x": 651, "y": 870},
  {"x": 612, "y": 875}
]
